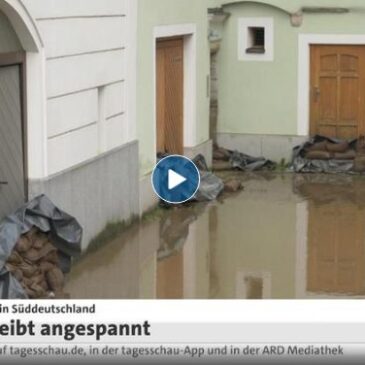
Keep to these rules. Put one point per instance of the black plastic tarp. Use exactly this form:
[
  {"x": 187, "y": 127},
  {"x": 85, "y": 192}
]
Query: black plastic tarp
[
  {"x": 211, "y": 186},
  {"x": 301, "y": 164},
  {"x": 65, "y": 233},
  {"x": 245, "y": 162}
]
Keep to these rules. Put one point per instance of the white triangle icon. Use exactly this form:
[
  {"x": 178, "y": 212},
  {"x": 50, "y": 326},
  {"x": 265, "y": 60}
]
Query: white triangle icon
[{"x": 175, "y": 179}]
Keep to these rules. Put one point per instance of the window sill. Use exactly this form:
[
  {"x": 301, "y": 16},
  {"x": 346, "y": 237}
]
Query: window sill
[{"x": 255, "y": 50}]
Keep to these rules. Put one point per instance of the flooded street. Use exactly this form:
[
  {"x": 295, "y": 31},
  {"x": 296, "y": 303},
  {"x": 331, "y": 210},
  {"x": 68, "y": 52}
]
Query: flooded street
[{"x": 284, "y": 236}]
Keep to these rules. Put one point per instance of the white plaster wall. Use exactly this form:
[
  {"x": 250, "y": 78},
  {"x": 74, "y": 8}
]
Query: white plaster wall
[
  {"x": 88, "y": 46},
  {"x": 67, "y": 75},
  {"x": 72, "y": 112},
  {"x": 45, "y": 9},
  {"x": 70, "y": 36}
]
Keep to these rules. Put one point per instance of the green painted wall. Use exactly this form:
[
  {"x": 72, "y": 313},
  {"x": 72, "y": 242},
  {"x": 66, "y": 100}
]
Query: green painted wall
[
  {"x": 153, "y": 13},
  {"x": 261, "y": 97},
  {"x": 294, "y": 5}
]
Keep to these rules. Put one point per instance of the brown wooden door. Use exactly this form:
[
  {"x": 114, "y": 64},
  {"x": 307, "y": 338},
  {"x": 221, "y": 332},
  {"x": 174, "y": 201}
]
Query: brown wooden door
[
  {"x": 337, "y": 91},
  {"x": 170, "y": 95}
]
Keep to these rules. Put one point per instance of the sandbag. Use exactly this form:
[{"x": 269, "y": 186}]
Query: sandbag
[
  {"x": 319, "y": 146},
  {"x": 42, "y": 215},
  {"x": 348, "y": 155},
  {"x": 338, "y": 163},
  {"x": 318, "y": 155},
  {"x": 341, "y": 146}
]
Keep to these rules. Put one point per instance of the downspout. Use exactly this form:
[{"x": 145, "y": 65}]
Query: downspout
[{"x": 217, "y": 18}]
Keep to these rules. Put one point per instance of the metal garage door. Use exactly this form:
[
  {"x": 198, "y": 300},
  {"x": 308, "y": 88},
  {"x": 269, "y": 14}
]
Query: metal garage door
[{"x": 12, "y": 194}]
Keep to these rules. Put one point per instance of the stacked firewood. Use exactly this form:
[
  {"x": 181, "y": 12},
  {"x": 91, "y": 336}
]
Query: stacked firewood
[{"x": 35, "y": 263}]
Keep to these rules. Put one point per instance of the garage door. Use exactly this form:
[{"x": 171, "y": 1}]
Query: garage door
[
  {"x": 12, "y": 192},
  {"x": 338, "y": 91}
]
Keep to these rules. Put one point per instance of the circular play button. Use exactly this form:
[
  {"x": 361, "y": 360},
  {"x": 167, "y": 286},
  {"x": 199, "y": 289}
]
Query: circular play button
[{"x": 175, "y": 179}]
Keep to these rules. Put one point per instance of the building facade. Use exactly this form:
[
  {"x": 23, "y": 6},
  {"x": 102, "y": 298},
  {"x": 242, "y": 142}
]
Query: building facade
[
  {"x": 287, "y": 70},
  {"x": 77, "y": 123},
  {"x": 187, "y": 117}
]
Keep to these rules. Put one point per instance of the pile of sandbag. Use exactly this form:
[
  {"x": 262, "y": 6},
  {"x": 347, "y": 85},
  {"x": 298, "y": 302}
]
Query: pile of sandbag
[
  {"x": 327, "y": 155},
  {"x": 328, "y": 150},
  {"x": 37, "y": 244},
  {"x": 324, "y": 154},
  {"x": 34, "y": 262}
]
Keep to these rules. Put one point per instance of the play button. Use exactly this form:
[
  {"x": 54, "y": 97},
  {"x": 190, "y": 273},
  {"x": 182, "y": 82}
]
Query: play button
[{"x": 175, "y": 179}]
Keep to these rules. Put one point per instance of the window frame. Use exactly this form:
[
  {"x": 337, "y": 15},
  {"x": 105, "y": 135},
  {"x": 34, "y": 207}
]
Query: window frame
[{"x": 245, "y": 25}]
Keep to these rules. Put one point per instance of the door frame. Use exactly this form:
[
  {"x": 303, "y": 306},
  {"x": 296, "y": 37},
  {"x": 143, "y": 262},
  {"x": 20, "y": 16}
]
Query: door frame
[
  {"x": 305, "y": 41},
  {"x": 188, "y": 32},
  {"x": 19, "y": 59}
]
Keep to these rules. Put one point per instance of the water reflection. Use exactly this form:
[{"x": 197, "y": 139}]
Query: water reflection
[
  {"x": 283, "y": 237},
  {"x": 335, "y": 234},
  {"x": 172, "y": 262}
]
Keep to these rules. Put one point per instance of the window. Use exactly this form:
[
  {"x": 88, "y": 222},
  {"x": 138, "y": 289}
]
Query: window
[{"x": 256, "y": 39}]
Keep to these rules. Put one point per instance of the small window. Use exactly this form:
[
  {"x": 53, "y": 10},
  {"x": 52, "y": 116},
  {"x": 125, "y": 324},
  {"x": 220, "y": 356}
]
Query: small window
[{"x": 256, "y": 40}]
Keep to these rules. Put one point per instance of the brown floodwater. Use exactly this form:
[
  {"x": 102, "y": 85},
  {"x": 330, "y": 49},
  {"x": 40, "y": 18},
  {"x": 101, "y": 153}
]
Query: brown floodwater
[{"x": 284, "y": 236}]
